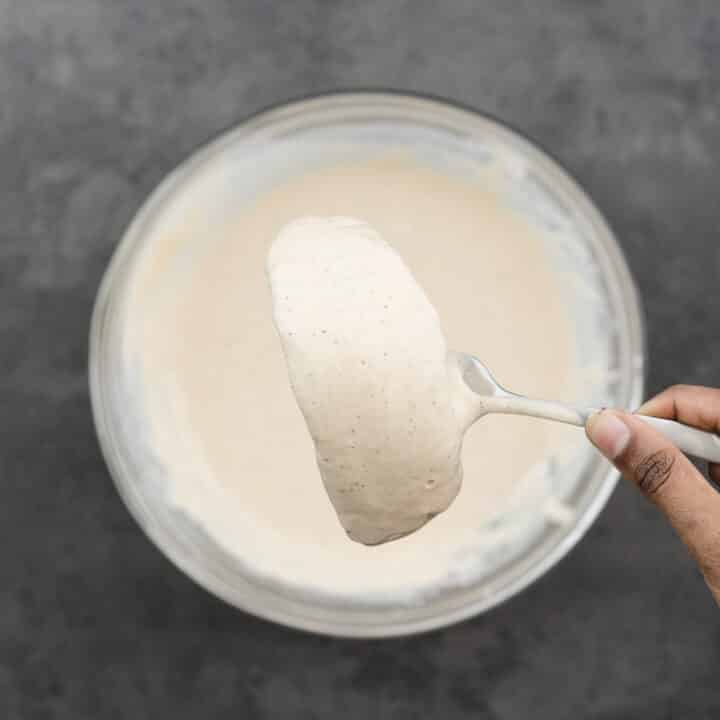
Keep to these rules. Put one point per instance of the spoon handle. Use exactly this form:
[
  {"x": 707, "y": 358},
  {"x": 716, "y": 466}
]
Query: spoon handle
[{"x": 699, "y": 443}]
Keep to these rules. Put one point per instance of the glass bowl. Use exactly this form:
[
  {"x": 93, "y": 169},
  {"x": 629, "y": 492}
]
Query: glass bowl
[{"x": 324, "y": 124}]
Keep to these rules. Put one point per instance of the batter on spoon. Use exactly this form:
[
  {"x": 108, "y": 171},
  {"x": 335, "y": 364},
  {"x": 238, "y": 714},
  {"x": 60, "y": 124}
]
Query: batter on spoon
[{"x": 368, "y": 362}]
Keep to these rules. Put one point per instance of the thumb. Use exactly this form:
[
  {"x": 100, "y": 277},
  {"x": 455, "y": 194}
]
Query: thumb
[{"x": 666, "y": 477}]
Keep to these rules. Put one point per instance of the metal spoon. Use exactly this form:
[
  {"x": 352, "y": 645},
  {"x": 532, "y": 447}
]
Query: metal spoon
[{"x": 493, "y": 398}]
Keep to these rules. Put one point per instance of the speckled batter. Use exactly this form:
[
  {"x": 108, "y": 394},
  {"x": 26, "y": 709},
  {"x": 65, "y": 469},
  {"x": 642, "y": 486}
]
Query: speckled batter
[{"x": 381, "y": 394}]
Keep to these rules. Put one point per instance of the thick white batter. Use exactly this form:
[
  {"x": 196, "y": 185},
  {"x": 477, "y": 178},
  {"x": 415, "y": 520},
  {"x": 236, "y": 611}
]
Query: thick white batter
[
  {"x": 382, "y": 396},
  {"x": 223, "y": 426}
]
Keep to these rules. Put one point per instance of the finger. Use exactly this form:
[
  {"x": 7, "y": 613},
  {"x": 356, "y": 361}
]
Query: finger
[
  {"x": 667, "y": 478},
  {"x": 690, "y": 404}
]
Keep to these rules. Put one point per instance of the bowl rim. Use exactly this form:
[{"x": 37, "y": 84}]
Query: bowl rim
[{"x": 194, "y": 570}]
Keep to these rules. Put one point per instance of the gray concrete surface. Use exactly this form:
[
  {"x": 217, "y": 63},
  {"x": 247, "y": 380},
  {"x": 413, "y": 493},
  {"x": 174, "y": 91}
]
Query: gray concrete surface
[{"x": 98, "y": 99}]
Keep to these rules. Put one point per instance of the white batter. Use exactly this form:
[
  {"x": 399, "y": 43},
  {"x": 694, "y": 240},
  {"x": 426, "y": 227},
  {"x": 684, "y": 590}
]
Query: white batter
[
  {"x": 382, "y": 396},
  {"x": 220, "y": 421}
]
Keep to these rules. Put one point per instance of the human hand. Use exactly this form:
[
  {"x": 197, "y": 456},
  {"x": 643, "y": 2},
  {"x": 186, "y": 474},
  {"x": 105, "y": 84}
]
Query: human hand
[{"x": 666, "y": 476}]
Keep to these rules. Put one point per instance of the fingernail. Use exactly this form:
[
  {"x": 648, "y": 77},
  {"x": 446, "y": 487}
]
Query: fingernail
[{"x": 608, "y": 433}]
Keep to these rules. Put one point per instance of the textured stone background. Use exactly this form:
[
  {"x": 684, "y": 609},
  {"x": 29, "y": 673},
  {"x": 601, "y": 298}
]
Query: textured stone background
[{"x": 98, "y": 99}]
